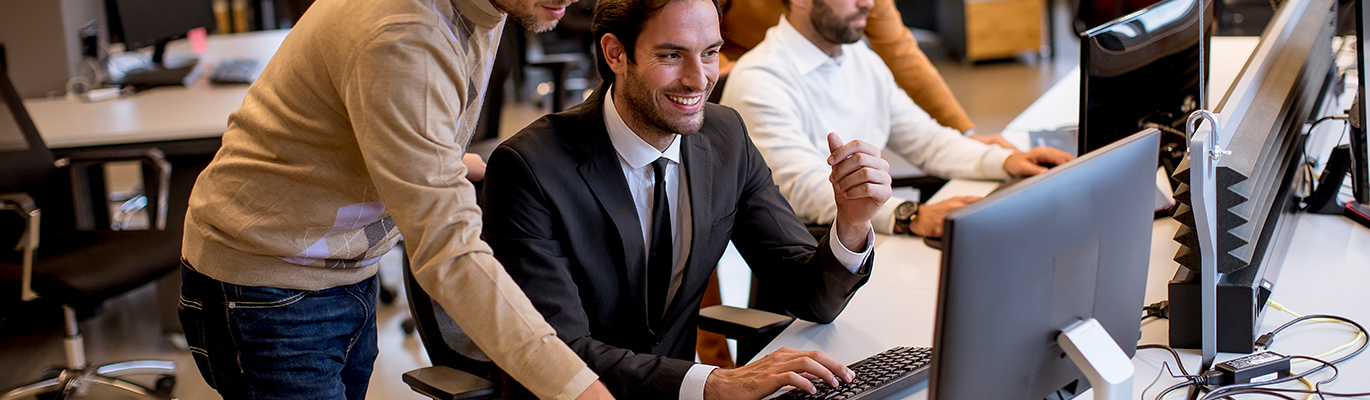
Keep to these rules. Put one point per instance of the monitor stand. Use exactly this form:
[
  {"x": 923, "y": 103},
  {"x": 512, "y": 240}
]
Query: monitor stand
[
  {"x": 1101, "y": 360},
  {"x": 157, "y": 73}
]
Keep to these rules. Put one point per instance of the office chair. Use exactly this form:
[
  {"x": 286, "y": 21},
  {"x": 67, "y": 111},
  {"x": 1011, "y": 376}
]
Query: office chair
[
  {"x": 79, "y": 269},
  {"x": 453, "y": 375},
  {"x": 460, "y": 371}
]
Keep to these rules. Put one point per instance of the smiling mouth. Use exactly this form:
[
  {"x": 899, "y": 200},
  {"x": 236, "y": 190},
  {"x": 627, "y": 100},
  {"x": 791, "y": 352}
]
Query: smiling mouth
[{"x": 689, "y": 101}]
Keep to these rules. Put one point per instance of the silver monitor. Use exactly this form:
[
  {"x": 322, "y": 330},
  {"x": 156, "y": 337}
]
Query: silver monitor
[{"x": 1025, "y": 263}]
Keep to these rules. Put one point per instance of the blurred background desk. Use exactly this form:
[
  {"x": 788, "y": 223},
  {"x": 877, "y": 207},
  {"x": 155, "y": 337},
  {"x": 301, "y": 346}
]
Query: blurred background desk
[{"x": 165, "y": 114}]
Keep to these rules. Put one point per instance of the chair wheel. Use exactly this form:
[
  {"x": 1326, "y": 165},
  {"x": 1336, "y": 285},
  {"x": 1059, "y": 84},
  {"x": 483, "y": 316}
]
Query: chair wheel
[
  {"x": 408, "y": 326},
  {"x": 166, "y": 383}
]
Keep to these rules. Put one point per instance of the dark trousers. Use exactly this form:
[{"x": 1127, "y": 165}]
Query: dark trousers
[{"x": 254, "y": 342}]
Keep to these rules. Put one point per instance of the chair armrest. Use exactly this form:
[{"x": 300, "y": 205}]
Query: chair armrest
[
  {"x": 742, "y": 323},
  {"x": 151, "y": 157},
  {"x": 22, "y": 204},
  {"x": 443, "y": 383}
]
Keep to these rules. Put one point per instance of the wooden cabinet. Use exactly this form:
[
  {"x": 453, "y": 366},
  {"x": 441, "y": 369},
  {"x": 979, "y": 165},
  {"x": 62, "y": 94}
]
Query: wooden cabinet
[{"x": 988, "y": 29}]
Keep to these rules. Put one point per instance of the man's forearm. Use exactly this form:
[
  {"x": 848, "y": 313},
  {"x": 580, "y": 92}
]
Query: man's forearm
[{"x": 490, "y": 307}]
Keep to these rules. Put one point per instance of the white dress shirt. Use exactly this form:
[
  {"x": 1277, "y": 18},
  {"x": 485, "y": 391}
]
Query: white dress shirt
[
  {"x": 791, "y": 94},
  {"x": 635, "y": 156}
]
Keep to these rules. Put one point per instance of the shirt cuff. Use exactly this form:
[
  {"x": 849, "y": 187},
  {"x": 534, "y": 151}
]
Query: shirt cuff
[
  {"x": 577, "y": 385},
  {"x": 883, "y": 222},
  {"x": 993, "y": 162},
  {"x": 851, "y": 260},
  {"x": 692, "y": 388}
]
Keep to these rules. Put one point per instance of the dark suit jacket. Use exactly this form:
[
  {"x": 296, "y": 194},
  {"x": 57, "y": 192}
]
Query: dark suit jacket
[{"x": 559, "y": 216}]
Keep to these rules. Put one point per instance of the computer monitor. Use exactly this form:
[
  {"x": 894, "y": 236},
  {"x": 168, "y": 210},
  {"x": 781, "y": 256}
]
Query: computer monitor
[
  {"x": 1359, "y": 210},
  {"x": 143, "y": 23},
  {"x": 1029, "y": 261},
  {"x": 1139, "y": 71}
]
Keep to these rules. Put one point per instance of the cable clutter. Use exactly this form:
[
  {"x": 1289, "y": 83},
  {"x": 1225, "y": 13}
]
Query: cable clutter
[{"x": 1259, "y": 372}]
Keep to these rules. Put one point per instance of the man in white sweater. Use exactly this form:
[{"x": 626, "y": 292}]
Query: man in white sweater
[
  {"x": 810, "y": 76},
  {"x": 354, "y": 134}
]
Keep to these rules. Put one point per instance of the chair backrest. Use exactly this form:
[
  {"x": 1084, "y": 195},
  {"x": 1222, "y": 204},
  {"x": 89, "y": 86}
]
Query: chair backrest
[
  {"x": 25, "y": 161},
  {"x": 446, "y": 344}
]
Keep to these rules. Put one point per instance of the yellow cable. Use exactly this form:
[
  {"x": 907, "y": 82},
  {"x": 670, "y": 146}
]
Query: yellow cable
[
  {"x": 1305, "y": 381},
  {"x": 1359, "y": 335},
  {"x": 1310, "y": 386},
  {"x": 1353, "y": 342}
]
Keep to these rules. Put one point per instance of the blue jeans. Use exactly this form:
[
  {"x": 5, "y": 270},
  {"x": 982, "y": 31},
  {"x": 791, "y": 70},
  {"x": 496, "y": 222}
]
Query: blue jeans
[{"x": 254, "y": 342}]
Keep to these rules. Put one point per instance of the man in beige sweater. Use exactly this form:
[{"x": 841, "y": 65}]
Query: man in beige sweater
[{"x": 354, "y": 134}]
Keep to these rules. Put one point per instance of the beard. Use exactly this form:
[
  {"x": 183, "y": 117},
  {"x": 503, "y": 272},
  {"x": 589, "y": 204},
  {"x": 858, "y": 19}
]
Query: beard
[
  {"x": 526, "y": 14},
  {"x": 835, "y": 28},
  {"x": 645, "y": 104}
]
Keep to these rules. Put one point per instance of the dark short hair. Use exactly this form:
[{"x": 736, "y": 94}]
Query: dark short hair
[{"x": 624, "y": 19}]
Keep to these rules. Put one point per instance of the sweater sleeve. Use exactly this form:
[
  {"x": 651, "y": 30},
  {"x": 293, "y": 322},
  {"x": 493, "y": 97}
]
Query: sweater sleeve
[
  {"x": 405, "y": 98},
  {"x": 912, "y": 70},
  {"x": 936, "y": 149}
]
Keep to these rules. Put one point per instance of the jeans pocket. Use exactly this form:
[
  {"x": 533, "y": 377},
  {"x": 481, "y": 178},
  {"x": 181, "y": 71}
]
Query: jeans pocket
[
  {"x": 263, "y": 297},
  {"x": 192, "y": 316}
]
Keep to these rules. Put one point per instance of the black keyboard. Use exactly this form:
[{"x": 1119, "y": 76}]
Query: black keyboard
[
  {"x": 234, "y": 71},
  {"x": 877, "y": 376}
]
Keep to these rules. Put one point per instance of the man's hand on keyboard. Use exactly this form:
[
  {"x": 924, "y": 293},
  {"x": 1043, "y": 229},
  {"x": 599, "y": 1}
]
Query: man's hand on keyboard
[
  {"x": 1035, "y": 161},
  {"x": 784, "y": 367}
]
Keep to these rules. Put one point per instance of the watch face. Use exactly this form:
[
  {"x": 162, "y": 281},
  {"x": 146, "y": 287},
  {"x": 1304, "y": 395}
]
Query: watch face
[{"x": 906, "y": 210}]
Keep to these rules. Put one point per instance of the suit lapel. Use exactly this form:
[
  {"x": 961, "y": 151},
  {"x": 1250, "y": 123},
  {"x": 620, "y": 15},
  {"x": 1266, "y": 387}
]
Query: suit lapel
[{"x": 604, "y": 176}]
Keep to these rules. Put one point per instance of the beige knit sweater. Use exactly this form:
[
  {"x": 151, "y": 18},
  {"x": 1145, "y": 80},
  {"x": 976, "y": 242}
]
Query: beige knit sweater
[{"x": 354, "y": 134}]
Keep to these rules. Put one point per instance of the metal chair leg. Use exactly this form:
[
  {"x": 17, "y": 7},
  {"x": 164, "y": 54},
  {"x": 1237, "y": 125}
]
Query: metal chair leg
[
  {"x": 31, "y": 390},
  {"x": 141, "y": 367}
]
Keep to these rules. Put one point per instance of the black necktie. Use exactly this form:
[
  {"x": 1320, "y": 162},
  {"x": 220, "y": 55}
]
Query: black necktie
[{"x": 659, "y": 256}]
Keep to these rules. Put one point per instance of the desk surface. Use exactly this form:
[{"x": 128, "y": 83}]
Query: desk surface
[
  {"x": 1325, "y": 272},
  {"x": 170, "y": 113}
]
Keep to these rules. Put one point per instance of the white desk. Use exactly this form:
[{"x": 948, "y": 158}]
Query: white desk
[
  {"x": 1326, "y": 270},
  {"x": 162, "y": 114}
]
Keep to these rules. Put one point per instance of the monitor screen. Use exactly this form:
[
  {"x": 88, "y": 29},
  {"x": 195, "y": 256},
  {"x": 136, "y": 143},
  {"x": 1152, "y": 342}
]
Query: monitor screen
[
  {"x": 1140, "y": 71},
  {"x": 143, "y": 23},
  {"x": 1027, "y": 262}
]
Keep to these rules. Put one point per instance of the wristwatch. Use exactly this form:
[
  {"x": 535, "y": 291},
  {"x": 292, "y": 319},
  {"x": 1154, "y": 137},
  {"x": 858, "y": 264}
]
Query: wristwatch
[{"x": 903, "y": 216}]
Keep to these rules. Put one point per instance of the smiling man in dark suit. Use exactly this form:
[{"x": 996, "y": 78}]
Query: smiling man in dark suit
[{"x": 612, "y": 215}]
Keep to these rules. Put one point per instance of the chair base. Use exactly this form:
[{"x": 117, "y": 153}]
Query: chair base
[{"x": 77, "y": 382}]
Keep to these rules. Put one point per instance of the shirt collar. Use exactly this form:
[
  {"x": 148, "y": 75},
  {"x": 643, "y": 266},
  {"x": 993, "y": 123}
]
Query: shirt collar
[
  {"x": 806, "y": 55},
  {"x": 630, "y": 147},
  {"x": 482, "y": 12}
]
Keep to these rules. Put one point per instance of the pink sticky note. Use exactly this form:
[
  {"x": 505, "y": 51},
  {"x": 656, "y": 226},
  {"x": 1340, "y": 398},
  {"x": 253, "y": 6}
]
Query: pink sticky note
[{"x": 198, "y": 41}]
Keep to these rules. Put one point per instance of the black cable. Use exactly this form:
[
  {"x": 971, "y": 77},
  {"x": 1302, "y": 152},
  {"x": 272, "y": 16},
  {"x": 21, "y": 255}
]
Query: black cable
[
  {"x": 1173, "y": 353},
  {"x": 1160, "y": 309},
  {"x": 1265, "y": 340},
  {"x": 1306, "y": 391},
  {"x": 1175, "y": 387},
  {"x": 1165, "y": 367},
  {"x": 1309, "y": 161},
  {"x": 1255, "y": 388},
  {"x": 1221, "y": 391}
]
